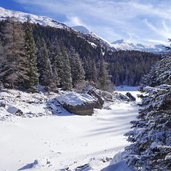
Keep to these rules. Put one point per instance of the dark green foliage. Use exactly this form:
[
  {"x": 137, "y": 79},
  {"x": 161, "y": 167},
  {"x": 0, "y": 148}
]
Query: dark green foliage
[
  {"x": 77, "y": 70},
  {"x": 54, "y": 55},
  {"x": 66, "y": 77},
  {"x": 44, "y": 66},
  {"x": 58, "y": 64},
  {"x": 104, "y": 82},
  {"x": 30, "y": 53},
  {"x": 128, "y": 67}
]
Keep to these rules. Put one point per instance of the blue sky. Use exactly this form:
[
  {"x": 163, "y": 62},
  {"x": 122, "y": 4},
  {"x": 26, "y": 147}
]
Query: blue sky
[{"x": 134, "y": 20}]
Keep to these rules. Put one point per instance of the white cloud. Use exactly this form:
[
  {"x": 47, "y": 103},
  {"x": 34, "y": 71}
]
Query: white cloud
[
  {"x": 74, "y": 20},
  {"x": 137, "y": 20},
  {"x": 163, "y": 30}
]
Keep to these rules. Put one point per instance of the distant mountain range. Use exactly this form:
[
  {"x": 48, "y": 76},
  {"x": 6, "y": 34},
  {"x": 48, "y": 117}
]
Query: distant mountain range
[
  {"x": 126, "y": 45},
  {"x": 81, "y": 29},
  {"x": 92, "y": 37}
]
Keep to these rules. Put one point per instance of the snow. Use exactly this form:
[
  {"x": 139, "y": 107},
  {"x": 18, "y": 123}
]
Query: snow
[
  {"x": 120, "y": 166},
  {"x": 92, "y": 44},
  {"x": 81, "y": 29},
  {"x": 23, "y": 17},
  {"x": 123, "y": 89},
  {"x": 74, "y": 99},
  {"x": 127, "y": 88},
  {"x": 54, "y": 142},
  {"x": 128, "y": 45}
]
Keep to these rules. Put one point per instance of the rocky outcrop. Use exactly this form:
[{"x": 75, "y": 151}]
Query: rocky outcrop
[
  {"x": 130, "y": 96},
  {"x": 99, "y": 101}
]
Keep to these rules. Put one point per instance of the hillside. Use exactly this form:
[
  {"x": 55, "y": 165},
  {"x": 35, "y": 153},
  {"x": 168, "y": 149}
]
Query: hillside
[{"x": 58, "y": 39}]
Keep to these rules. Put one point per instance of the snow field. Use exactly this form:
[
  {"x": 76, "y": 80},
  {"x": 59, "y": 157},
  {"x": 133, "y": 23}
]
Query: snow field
[{"x": 55, "y": 142}]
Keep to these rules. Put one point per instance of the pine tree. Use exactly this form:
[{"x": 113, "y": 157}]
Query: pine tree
[
  {"x": 103, "y": 78},
  {"x": 94, "y": 73},
  {"x": 54, "y": 54},
  {"x": 66, "y": 77},
  {"x": 77, "y": 70},
  {"x": 31, "y": 55},
  {"x": 14, "y": 70},
  {"x": 44, "y": 69}
]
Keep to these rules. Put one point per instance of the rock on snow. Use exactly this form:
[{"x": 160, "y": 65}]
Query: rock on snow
[{"x": 63, "y": 140}]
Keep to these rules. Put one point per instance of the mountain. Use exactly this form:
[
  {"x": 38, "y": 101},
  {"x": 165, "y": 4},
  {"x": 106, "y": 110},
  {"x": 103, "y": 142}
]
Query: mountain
[
  {"x": 23, "y": 17},
  {"x": 53, "y": 38},
  {"x": 92, "y": 38},
  {"x": 81, "y": 29},
  {"x": 126, "y": 45}
]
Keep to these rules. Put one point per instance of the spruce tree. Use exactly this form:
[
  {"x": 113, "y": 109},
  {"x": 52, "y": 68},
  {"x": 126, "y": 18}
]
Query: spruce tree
[
  {"x": 94, "y": 73},
  {"x": 54, "y": 57},
  {"x": 44, "y": 69},
  {"x": 66, "y": 77},
  {"x": 77, "y": 70},
  {"x": 30, "y": 53},
  {"x": 103, "y": 76}
]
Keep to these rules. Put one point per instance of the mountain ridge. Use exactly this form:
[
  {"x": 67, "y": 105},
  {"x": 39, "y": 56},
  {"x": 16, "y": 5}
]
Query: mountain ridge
[
  {"x": 127, "y": 45},
  {"x": 47, "y": 21}
]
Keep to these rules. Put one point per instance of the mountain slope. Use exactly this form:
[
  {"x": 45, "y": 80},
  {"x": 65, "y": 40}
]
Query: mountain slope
[
  {"x": 59, "y": 38},
  {"x": 23, "y": 17},
  {"x": 46, "y": 21},
  {"x": 81, "y": 29}
]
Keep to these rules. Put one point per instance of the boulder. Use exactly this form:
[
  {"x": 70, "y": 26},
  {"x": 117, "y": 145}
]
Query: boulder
[
  {"x": 120, "y": 97},
  {"x": 107, "y": 96},
  {"x": 130, "y": 96},
  {"x": 15, "y": 111},
  {"x": 99, "y": 101},
  {"x": 2, "y": 104},
  {"x": 80, "y": 103}
]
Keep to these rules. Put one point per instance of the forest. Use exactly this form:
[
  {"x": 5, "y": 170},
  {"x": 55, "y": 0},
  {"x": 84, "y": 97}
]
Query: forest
[{"x": 34, "y": 55}]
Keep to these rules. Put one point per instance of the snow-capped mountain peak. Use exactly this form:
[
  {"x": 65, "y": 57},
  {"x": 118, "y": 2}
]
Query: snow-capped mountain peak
[
  {"x": 81, "y": 29},
  {"x": 23, "y": 17},
  {"x": 127, "y": 45},
  {"x": 91, "y": 37}
]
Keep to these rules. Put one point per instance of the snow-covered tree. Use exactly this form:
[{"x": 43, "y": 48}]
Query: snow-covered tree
[
  {"x": 160, "y": 73},
  {"x": 151, "y": 135}
]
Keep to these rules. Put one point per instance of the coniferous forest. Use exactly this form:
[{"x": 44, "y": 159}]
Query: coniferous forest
[{"x": 35, "y": 55}]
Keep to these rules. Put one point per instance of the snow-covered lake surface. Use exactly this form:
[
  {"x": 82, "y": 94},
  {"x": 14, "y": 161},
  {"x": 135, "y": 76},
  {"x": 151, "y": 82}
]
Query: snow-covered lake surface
[{"x": 56, "y": 142}]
